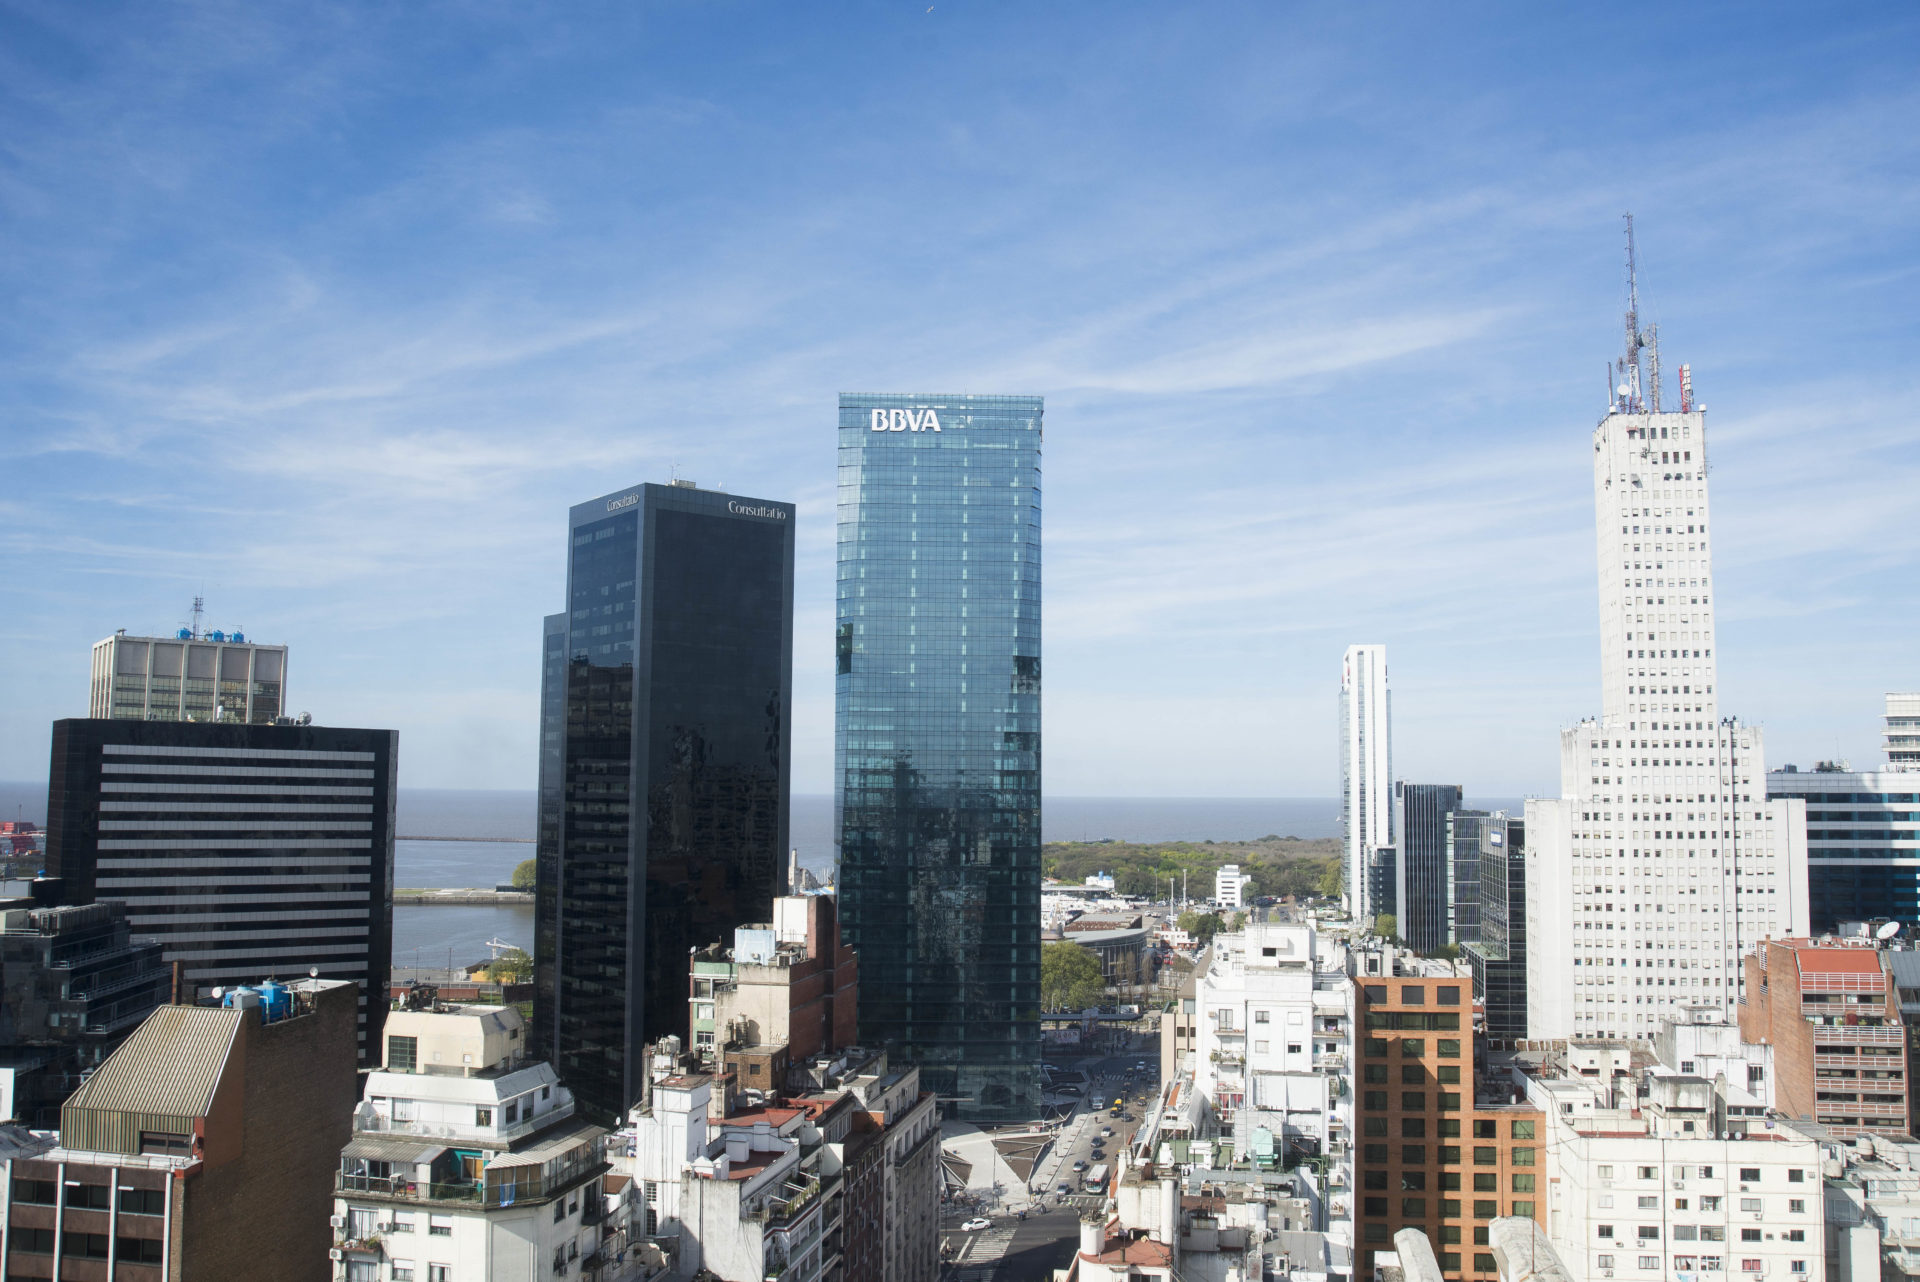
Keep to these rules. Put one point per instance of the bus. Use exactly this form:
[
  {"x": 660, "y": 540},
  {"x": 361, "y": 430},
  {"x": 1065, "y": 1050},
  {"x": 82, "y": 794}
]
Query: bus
[{"x": 1096, "y": 1181}]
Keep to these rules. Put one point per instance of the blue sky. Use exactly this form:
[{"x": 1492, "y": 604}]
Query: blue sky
[{"x": 331, "y": 312}]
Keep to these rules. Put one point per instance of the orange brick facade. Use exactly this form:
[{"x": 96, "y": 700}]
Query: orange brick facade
[
  {"x": 1427, "y": 1156},
  {"x": 1839, "y": 1048}
]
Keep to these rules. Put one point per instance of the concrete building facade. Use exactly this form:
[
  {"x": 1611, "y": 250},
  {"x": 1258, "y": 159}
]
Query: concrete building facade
[
  {"x": 1366, "y": 773},
  {"x": 192, "y": 676},
  {"x": 1663, "y": 862}
]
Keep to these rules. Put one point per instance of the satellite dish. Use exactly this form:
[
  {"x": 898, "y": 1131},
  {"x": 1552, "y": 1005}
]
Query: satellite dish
[
  {"x": 1887, "y": 931},
  {"x": 1622, "y": 389}
]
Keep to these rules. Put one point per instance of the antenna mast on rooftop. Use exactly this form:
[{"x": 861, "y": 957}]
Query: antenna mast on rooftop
[
  {"x": 199, "y": 604},
  {"x": 1627, "y": 368}
]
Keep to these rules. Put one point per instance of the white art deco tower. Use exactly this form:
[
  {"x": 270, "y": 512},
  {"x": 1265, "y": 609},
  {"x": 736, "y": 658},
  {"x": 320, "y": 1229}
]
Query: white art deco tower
[
  {"x": 1662, "y": 863},
  {"x": 1366, "y": 773}
]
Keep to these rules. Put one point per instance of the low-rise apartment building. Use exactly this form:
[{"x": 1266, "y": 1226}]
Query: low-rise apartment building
[
  {"x": 467, "y": 1162},
  {"x": 203, "y": 1147},
  {"x": 1832, "y": 1018},
  {"x": 1654, "y": 1175}
]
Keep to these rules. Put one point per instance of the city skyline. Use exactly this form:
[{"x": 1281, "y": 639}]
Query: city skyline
[{"x": 1316, "y": 353}]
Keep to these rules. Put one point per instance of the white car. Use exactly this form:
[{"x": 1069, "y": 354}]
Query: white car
[{"x": 976, "y": 1224}]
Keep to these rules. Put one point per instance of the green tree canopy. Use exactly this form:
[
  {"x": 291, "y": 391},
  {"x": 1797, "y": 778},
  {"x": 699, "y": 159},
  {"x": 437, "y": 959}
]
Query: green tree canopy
[
  {"x": 523, "y": 875},
  {"x": 1202, "y": 926},
  {"x": 511, "y": 967},
  {"x": 1070, "y": 977}
]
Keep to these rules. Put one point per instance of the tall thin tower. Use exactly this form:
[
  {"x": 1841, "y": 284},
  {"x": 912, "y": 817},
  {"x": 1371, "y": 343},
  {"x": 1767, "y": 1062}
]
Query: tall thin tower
[
  {"x": 1366, "y": 774},
  {"x": 1662, "y": 862}
]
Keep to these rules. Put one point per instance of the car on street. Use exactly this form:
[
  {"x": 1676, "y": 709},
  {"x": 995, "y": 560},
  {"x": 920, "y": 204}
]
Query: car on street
[
  {"x": 1067, "y": 1090},
  {"x": 1080, "y": 1166},
  {"x": 1063, "y": 1189},
  {"x": 976, "y": 1224}
]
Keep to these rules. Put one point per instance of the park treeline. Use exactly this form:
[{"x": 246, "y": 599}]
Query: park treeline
[{"x": 1278, "y": 865}]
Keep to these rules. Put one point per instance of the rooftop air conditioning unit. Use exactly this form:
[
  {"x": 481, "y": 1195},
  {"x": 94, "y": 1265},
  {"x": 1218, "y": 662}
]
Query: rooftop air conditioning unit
[
  {"x": 338, "y": 1221},
  {"x": 336, "y": 1254}
]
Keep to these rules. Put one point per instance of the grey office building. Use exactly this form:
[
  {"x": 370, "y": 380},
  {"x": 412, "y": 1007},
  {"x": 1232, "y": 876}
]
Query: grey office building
[
  {"x": 1425, "y": 871},
  {"x": 937, "y": 736},
  {"x": 248, "y": 852},
  {"x": 1498, "y": 951},
  {"x": 666, "y": 699}
]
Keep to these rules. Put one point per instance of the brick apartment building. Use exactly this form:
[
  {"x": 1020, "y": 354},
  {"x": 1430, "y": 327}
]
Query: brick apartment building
[
  {"x": 204, "y": 1147},
  {"x": 1832, "y": 1015},
  {"x": 1439, "y": 1151},
  {"x": 784, "y": 994}
]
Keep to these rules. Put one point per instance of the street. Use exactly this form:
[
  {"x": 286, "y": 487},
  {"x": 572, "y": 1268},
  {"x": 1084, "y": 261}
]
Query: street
[{"x": 1015, "y": 1250}]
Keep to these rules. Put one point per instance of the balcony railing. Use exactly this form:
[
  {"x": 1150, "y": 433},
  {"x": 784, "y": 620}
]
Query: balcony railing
[
  {"x": 381, "y": 1124},
  {"x": 396, "y": 1186}
]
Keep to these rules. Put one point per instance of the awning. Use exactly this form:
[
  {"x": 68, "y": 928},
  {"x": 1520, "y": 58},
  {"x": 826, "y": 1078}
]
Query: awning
[{"x": 407, "y": 1150}]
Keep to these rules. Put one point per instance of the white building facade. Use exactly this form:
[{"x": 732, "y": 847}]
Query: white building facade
[
  {"x": 1229, "y": 886},
  {"x": 467, "y": 1163},
  {"x": 1663, "y": 862},
  {"x": 1366, "y": 770},
  {"x": 1273, "y": 1018}
]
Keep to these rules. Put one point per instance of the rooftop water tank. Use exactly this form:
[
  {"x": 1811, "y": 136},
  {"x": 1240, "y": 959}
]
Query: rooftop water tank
[
  {"x": 278, "y": 1000},
  {"x": 238, "y": 638},
  {"x": 240, "y": 997},
  {"x": 185, "y": 634},
  {"x": 216, "y": 635}
]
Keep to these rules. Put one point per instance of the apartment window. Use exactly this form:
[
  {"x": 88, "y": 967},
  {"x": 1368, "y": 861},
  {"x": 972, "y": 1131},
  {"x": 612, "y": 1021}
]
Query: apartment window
[
  {"x": 1485, "y": 1208},
  {"x": 1797, "y": 1266},
  {"x": 1413, "y": 1101},
  {"x": 1486, "y": 1155},
  {"x": 1373, "y": 1101},
  {"x": 1750, "y": 1204},
  {"x": 1523, "y": 1184},
  {"x": 559, "y": 1212},
  {"x": 1486, "y": 1182},
  {"x": 439, "y": 1226},
  {"x": 1649, "y": 1203},
  {"x": 1450, "y": 1234},
  {"x": 1260, "y": 1017},
  {"x": 360, "y": 1223},
  {"x": 1604, "y": 1261},
  {"x": 1710, "y": 1202},
  {"x": 31, "y": 1241},
  {"x": 1448, "y": 1048},
  {"x": 483, "y": 1117},
  {"x": 1412, "y": 1075},
  {"x": 1679, "y": 1203},
  {"x": 1796, "y": 1206},
  {"x": 1450, "y": 1154},
  {"x": 1749, "y": 1235},
  {"x": 403, "y": 1271},
  {"x": 88, "y": 1246},
  {"x": 92, "y": 1197},
  {"x": 1413, "y": 1128},
  {"x": 1373, "y": 1206},
  {"x": 1486, "y": 1130},
  {"x": 1750, "y": 1266},
  {"x": 1374, "y": 1152},
  {"x": 512, "y": 1114},
  {"x": 1522, "y": 1131},
  {"x": 1450, "y": 1210},
  {"x": 1450, "y": 1128},
  {"x": 1449, "y": 1074},
  {"x": 1374, "y": 1180},
  {"x": 403, "y": 1221},
  {"x": 1706, "y": 1172},
  {"x": 139, "y": 1250},
  {"x": 1374, "y": 1074},
  {"x": 439, "y": 1273},
  {"x": 1376, "y": 1126},
  {"x": 1649, "y": 1261},
  {"x": 37, "y": 1192},
  {"x": 1413, "y": 1208},
  {"x": 142, "y": 1201},
  {"x": 363, "y": 1271},
  {"x": 166, "y": 1143},
  {"x": 1448, "y": 1100},
  {"x": 1450, "y": 1181},
  {"x": 1685, "y": 1233},
  {"x": 403, "y": 1054},
  {"x": 1604, "y": 1172},
  {"x": 1749, "y": 1175},
  {"x": 1413, "y": 1154},
  {"x": 1446, "y": 996},
  {"x": 1413, "y": 1181},
  {"x": 1649, "y": 1232},
  {"x": 1413, "y": 1047},
  {"x": 1376, "y": 1046},
  {"x": 1523, "y": 1208},
  {"x": 1523, "y": 1157},
  {"x": 1796, "y": 1176},
  {"x": 1484, "y": 1262},
  {"x": 1649, "y": 1172},
  {"x": 1413, "y": 995}
]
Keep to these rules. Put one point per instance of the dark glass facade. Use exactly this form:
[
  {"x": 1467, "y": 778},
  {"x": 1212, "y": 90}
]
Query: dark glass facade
[
  {"x": 1498, "y": 954},
  {"x": 1425, "y": 874},
  {"x": 668, "y": 727},
  {"x": 937, "y": 736},
  {"x": 249, "y": 852},
  {"x": 1465, "y": 830},
  {"x": 1863, "y": 835}
]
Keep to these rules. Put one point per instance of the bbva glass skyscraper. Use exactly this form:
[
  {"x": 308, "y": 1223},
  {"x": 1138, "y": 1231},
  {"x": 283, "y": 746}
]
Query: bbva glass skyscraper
[
  {"x": 666, "y": 703},
  {"x": 937, "y": 736}
]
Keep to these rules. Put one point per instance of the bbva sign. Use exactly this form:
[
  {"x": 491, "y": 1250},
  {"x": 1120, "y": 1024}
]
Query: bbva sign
[{"x": 905, "y": 421}]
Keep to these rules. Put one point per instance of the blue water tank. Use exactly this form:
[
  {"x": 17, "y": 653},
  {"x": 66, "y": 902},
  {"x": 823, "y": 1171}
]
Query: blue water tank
[
  {"x": 277, "y": 999},
  {"x": 216, "y": 635},
  {"x": 185, "y": 634},
  {"x": 239, "y": 997},
  {"x": 237, "y": 638}
]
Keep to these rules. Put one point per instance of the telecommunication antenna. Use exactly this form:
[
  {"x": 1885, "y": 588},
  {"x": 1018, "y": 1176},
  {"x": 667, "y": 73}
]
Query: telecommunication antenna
[{"x": 199, "y": 607}]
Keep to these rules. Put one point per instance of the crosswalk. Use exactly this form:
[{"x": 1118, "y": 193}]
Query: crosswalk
[{"x": 984, "y": 1247}]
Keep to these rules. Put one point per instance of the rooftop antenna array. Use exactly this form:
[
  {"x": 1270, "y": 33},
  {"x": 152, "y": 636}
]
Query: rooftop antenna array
[
  {"x": 199, "y": 608},
  {"x": 1627, "y": 382}
]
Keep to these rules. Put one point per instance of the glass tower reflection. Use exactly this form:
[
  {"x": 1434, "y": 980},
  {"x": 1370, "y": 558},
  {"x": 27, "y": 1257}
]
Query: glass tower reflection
[
  {"x": 668, "y": 728},
  {"x": 937, "y": 736}
]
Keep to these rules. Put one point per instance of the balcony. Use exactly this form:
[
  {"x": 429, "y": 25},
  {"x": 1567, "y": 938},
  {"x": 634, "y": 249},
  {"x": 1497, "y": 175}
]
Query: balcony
[
  {"x": 407, "y": 1190},
  {"x": 380, "y": 1124}
]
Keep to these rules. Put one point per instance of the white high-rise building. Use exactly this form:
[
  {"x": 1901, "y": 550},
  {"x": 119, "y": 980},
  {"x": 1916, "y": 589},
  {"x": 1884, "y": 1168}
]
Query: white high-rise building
[
  {"x": 1663, "y": 862},
  {"x": 1366, "y": 771}
]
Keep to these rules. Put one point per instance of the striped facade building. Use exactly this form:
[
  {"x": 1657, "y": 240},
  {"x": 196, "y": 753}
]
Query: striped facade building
[{"x": 249, "y": 852}]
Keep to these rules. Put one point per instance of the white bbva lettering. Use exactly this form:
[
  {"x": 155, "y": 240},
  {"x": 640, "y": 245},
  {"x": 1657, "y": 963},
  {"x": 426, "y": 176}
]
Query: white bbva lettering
[{"x": 904, "y": 421}]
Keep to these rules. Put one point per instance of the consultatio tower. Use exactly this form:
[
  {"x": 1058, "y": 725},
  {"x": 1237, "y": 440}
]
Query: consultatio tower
[{"x": 937, "y": 736}]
